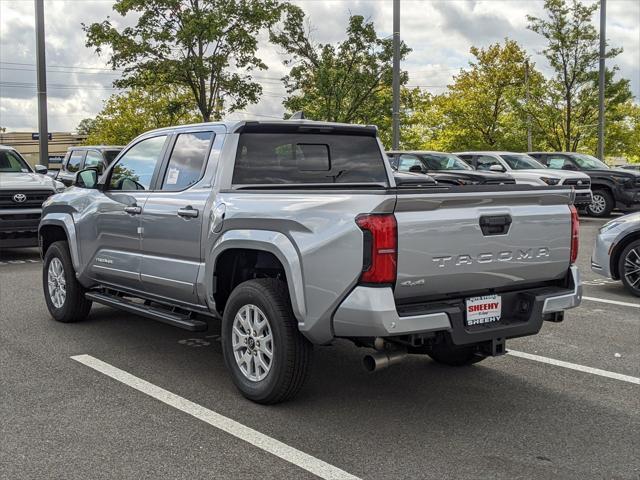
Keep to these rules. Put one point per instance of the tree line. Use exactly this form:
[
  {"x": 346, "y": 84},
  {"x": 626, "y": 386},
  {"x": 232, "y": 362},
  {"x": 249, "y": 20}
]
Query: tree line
[{"x": 197, "y": 60}]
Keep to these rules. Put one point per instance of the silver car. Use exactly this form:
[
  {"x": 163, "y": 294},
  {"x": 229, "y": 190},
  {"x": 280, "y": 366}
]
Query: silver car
[{"x": 617, "y": 251}]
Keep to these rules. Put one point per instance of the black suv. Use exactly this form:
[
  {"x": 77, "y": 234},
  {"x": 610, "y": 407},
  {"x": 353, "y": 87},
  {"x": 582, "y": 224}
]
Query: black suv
[
  {"x": 79, "y": 158},
  {"x": 445, "y": 168},
  {"x": 612, "y": 187}
]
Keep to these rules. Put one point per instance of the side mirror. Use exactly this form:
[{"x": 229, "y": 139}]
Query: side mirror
[
  {"x": 87, "y": 178},
  {"x": 41, "y": 169},
  {"x": 416, "y": 169},
  {"x": 497, "y": 168}
]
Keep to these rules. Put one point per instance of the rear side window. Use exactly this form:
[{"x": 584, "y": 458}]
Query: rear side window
[
  {"x": 75, "y": 159},
  {"x": 556, "y": 162},
  {"x": 187, "y": 160},
  {"x": 93, "y": 159},
  {"x": 299, "y": 158}
]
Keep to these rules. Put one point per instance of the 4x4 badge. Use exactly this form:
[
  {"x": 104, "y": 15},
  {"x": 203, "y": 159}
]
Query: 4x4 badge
[{"x": 19, "y": 198}]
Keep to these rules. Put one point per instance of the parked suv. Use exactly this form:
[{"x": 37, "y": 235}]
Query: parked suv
[
  {"x": 294, "y": 233},
  {"x": 612, "y": 187},
  {"x": 80, "y": 158},
  {"x": 528, "y": 171},
  {"x": 445, "y": 168},
  {"x": 22, "y": 191}
]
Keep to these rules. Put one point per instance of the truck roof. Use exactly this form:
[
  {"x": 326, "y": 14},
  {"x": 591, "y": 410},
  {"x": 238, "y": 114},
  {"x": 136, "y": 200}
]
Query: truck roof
[
  {"x": 97, "y": 147},
  {"x": 240, "y": 125}
]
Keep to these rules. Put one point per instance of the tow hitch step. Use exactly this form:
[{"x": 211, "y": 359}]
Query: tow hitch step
[{"x": 180, "y": 320}]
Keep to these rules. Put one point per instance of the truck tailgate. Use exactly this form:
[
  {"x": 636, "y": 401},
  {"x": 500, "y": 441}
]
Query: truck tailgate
[{"x": 455, "y": 242}]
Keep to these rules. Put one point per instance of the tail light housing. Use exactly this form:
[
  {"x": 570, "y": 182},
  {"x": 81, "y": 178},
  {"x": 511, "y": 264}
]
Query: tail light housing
[
  {"x": 575, "y": 234},
  {"x": 380, "y": 255}
]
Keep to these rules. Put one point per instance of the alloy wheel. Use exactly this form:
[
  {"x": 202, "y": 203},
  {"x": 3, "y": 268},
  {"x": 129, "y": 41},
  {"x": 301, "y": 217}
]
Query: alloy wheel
[
  {"x": 598, "y": 205},
  {"x": 57, "y": 283},
  {"x": 632, "y": 268},
  {"x": 252, "y": 342}
]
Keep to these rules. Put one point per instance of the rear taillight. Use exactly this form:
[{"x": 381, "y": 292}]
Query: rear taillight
[
  {"x": 380, "y": 248},
  {"x": 575, "y": 234}
]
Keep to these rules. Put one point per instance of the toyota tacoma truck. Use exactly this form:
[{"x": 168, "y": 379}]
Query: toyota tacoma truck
[
  {"x": 294, "y": 234},
  {"x": 22, "y": 191}
]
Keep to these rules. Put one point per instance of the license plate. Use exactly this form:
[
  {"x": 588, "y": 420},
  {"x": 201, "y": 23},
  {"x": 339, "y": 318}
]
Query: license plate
[{"x": 481, "y": 310}]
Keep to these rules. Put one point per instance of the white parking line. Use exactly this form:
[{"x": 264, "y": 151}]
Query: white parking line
[
  {"x": 249, "y": 435},
  {"x": 575, "y": 366},
  {"x": 613, "y": 302}
]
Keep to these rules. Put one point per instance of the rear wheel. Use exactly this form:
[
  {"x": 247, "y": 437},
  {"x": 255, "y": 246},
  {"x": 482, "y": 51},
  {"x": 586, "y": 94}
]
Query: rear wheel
[
  {"x": 629, "y": 267},
  {"x": 62, "y": 292},
  {"x": 455, "y": 356},
  {"x": 267, "y": 356},
  {"x": 602, "y": 204}
]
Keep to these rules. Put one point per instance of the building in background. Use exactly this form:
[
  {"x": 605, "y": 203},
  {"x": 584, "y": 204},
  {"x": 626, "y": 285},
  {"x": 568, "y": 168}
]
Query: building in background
[{"x": 27, "y": 144}]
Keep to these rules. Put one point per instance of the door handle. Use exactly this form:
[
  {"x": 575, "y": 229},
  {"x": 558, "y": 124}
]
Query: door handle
[
  {"x": 133, "y": 210},
  {"x": 188, "y": 212}
]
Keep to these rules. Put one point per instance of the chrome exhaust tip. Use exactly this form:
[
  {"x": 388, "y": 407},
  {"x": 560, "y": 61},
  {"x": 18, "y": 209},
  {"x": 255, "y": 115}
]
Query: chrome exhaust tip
[{"x": 379, "y": 360}]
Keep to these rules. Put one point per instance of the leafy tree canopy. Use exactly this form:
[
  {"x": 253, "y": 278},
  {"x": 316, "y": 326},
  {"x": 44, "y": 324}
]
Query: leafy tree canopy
[
  {"x": 348, "y": 82},
  {"x": 127, "y": 115},
  {"x": 205, "y": 47}
]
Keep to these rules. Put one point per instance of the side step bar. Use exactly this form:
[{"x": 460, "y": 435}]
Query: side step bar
[{"x": 165, "y": 316}]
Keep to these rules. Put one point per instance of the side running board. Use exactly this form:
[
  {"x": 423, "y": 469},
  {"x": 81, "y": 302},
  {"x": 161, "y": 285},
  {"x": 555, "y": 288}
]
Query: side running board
[{"x": 167, "y": 316}]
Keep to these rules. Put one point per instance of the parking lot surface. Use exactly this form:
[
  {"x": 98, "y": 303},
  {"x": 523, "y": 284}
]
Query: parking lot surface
[{"x": 508, "y": 417}]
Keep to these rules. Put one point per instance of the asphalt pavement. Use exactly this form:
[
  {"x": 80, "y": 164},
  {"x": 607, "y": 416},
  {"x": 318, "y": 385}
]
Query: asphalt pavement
[{"x": 505, "y": 418}]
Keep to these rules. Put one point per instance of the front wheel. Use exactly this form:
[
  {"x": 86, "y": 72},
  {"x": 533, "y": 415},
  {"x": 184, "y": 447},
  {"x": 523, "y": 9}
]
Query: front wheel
[
  {"x": 267, "y": 356},
  {"x": 602, "y": 204},
  {"x": 629, "y": 268},
  {"x": 62, "y": 292}
]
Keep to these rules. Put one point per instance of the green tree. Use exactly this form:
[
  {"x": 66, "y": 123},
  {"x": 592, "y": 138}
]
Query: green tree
[
  {"x": 86, "y": 126},
  {"x": 568, "y": 110},
  {"x": 349, "y": 82},
  {"x": 484, "y": 107},
  {"x": 129, "y": 114},
  {"x": 206, "y": 47}
]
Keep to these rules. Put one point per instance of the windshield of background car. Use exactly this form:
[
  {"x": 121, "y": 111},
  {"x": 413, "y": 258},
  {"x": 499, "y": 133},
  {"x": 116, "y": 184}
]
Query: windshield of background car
[
  {"x": 12, "y": 162},
  {"x": 521, "y": 162},
  {"x": 587, "y": 162},
  {"x": 437, "y": 161},
  {"x": 110, "y": 155},
  {"x": 286, "y": 158}
]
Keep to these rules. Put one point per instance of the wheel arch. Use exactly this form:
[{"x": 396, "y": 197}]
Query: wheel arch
[
  {"x": 263, "y": 250},
  {"x": 55, "y": 227},
  {"x": 617, "y": 251}
]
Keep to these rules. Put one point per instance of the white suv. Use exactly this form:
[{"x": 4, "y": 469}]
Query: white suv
[{"x": 528, "y": 171}]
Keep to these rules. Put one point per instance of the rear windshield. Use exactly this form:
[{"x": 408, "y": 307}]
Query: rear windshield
[{"x": 286, "y": 158}]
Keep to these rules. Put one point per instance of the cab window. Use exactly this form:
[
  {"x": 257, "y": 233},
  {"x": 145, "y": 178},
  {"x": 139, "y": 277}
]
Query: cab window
[
  {"x": 135, "y": 169},
  {"x": 94, "y": 159},
  {"x": 187, "y": 160},
  {"x": 557, "y": 163},
  {"x": 407, "y": 161},
  {"x": 484, "y": 162}
]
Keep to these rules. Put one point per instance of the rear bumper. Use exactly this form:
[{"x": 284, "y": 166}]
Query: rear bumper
[{"x": 372, "y": 312}]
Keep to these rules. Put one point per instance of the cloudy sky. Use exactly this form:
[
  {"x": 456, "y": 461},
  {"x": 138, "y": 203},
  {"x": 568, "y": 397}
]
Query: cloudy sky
[{"x": 439, "y": 31}]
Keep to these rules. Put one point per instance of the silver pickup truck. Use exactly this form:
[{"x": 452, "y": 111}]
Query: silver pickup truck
[{"x": 295, "y": 233}]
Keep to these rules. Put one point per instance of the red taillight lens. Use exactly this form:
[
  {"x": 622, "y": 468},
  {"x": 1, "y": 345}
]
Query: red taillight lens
[
  {"x": 381, "y": 247},
  {"x": 575, "y": 234}
]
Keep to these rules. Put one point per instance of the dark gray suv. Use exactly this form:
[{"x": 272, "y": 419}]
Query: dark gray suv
[{"x": 79, "y": 158}]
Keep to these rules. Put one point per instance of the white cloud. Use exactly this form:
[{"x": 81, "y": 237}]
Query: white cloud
[{"x": 439, "y": 32}]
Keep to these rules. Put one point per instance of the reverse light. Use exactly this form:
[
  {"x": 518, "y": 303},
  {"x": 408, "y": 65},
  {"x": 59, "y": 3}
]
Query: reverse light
[
  {"x": 380, "y": 248},
  {"x": 575, "y": 234}
]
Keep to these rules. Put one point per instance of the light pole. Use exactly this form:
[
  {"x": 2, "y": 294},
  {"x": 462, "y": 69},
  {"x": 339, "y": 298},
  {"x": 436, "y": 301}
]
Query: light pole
[
  {"x": 396, "y": 75},
  {"x": 601, "y": 79},
  {"x": 41, "y": 67}
]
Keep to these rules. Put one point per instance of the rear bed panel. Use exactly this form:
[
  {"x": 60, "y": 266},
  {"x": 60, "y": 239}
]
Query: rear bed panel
[{"x": 442, "y": 250}]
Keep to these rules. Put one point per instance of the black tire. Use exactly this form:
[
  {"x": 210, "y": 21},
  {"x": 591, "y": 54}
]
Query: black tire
[
  {"x": 602, "y": 205},
  {"x": 75, "y": 306},
  {"x": 292, "y": 352},
  {"x": 628, "y": 262},
  {"x": 455, "y": 356}
]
